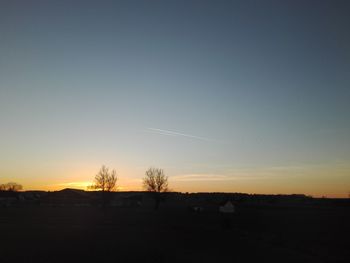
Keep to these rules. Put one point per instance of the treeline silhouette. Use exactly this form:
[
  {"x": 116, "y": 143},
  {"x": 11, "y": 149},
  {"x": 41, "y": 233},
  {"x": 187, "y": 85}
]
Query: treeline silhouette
[{"x": 11, "y": 186}]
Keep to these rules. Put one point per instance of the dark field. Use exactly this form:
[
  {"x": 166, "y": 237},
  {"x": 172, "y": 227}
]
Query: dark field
[{"x": 96, "y": 234}]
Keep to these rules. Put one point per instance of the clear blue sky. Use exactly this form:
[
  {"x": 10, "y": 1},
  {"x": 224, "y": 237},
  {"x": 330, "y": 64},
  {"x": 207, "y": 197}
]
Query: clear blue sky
[{"x": 247, "y": 96}]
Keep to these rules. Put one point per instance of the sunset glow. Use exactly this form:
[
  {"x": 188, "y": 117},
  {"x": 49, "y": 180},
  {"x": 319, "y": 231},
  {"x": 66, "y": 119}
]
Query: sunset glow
[{"x": 229, "y": 98}]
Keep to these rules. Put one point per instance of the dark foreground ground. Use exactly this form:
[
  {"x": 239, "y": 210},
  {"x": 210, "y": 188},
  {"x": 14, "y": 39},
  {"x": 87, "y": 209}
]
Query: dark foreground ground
[{"x": 95, "y": 234}]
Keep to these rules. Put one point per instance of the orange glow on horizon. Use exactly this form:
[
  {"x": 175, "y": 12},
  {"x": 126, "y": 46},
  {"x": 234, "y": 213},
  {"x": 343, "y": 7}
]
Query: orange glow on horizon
[
  {"x": 83, "y": 185},
  {"x": 313, "y": 180}
]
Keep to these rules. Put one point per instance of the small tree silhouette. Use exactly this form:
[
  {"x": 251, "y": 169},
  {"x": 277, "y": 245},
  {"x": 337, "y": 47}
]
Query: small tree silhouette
[
  {"x": 105, "y": 181},
  {"x": 13, "y": 187},
  {"x": 156, "y": 182}
]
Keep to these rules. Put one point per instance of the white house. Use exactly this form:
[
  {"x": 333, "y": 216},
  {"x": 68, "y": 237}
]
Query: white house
[{"x": 227, "y": 207}]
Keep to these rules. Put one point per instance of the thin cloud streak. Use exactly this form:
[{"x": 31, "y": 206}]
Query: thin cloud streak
[
  {"x": 201, "y": 177},
  {"x": 219, "y": 177},
  {"x": 179, "y": 134}
]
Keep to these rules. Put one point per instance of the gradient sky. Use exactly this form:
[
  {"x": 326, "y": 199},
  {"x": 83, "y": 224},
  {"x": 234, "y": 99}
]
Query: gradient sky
[{"x": 234, "y": 96}]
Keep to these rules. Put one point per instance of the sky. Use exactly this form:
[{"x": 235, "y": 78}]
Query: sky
[{"x": 224, "y": 96}]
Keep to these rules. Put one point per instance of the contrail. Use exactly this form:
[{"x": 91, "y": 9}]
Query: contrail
[{"x": 176, "y": 134}]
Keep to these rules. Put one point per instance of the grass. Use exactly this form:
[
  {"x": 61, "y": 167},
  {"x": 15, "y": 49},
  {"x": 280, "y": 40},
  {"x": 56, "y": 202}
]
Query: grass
[{"x": 95, "y": 234}]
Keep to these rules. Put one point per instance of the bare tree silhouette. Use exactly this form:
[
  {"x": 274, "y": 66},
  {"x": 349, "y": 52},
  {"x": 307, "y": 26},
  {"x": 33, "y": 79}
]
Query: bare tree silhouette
[
  {"x": 156, "y": 182},
  {"x": 14, "y": 187},
  {"x": 105, "y": 180}
]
